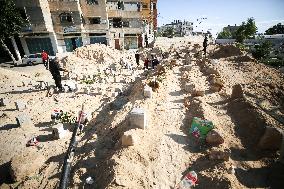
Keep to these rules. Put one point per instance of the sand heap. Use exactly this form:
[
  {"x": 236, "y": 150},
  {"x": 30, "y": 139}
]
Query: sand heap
[{"x": 225, "y": 51}]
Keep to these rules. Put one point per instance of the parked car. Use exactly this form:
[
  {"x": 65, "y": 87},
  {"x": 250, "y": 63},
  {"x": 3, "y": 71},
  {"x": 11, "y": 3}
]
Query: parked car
[{"x": 32, "y": 59}]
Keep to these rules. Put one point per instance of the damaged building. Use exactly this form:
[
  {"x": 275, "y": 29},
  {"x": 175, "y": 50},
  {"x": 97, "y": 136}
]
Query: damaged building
[{"x": 59, "y": 26}]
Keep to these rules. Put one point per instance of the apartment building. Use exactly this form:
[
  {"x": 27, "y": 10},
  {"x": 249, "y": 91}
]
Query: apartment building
[
  {"x": 59, "y": 26},
  {"x": 181, "y": 28}
]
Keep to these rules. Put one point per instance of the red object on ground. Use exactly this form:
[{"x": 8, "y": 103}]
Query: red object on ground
[{"x": 33, "y": 142}]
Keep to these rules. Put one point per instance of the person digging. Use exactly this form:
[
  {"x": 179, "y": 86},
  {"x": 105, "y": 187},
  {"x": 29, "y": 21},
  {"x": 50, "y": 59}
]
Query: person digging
[{"x": 55, "y": 68}]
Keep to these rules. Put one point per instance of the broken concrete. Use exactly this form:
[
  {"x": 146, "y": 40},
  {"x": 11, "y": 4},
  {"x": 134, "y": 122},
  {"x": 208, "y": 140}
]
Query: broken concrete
[
  {"x": 20, "y": 105},
  {"x": 26, "y": 164},
  {"x": 23, "y": 120},
  {"x": 138, "y": 118},
  {"x": 58, "y": 131},
  {"x": 4, "y": 102}
]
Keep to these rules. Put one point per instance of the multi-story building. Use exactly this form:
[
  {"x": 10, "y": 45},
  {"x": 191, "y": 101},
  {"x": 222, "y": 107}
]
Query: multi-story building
[
  {"x": 180, "y": 28},
  {"x": 59, "y": 26}
]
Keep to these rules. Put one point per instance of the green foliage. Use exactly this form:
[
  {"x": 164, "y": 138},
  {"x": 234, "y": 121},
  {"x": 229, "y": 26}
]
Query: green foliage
[
  {"x": 262, "y": 50},
  {"x": 66, "y": 117},
  {"x": 169, "y": 32},
  {"x": 11, "y": 21},
  {"x": 275, "y": 62},
  {"x": 225, "y": 34},
  {"x": 241, "y": 46},
  {"x": 246, "y": 31},
  {"x": 277, "y": 29}
]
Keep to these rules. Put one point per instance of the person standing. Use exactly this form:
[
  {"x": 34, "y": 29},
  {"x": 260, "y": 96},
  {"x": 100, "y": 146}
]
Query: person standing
[
  {"x": 146, "y": 63},
  {"x": 44, "y": 57},
  {"x": 205, "y": 45},
  {"x": 54, "y": 68},
  {"x": 137, "y": 57}
]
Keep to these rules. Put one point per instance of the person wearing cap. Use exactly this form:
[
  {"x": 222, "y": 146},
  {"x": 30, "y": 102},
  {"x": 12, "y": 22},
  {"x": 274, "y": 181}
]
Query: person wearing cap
[{"x": 55, "y": 68}]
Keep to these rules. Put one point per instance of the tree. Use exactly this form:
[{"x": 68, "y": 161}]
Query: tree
[
  {"x": 169, "y": 32},
  {"x": 262, "y": 50},
  {"x": 225, "y": 34},
  {"x": 277, "y": 29},
  {"x": 11, "y": 23},
  {"x": 246, "y": 31}
]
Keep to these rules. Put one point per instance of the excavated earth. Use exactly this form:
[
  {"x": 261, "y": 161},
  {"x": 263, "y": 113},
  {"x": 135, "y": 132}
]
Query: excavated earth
[{"x": 165, "y": 151}]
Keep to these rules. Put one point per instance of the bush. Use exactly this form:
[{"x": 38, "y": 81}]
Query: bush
[
  {"x": 275, "y": 62},
  {"x": 262, "y": 50}
]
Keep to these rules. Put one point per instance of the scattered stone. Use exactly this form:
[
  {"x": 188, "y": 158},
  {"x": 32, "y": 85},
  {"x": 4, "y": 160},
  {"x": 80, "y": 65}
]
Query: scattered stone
[
  {"x": 186, "y": 103},
  {"x": 237, "y": 92},
  {"x": 4, "y": 102},
  {"x": 20, "y": 105},
  {"x": 214, "y": 138},
  {"x": 187, "y": 68},
  {"x": 23, "y": 120},
  {"x": 138, "y": 118},
  {"x": 218, "y": 82},
  {"x": 129, "y": 138},
  {"x": 87, "y": 90},
  {"x": 271, "y": 139},
  {"x": 189, "y": 87},
  {"x": 58, "y": 131},
  {"x": 26, "y": 164},
  {"x": 148, "y": 91},
  {"x": 219, "y": 155}
]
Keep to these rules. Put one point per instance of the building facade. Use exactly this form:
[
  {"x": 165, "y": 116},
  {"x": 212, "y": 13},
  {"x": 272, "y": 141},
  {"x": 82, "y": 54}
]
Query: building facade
[
  {"x": 181, "y": 28},
  {"x": 59, "y": 26}
]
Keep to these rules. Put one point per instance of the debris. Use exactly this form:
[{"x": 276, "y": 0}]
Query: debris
[
  {"x": 225, "y": 51},
  {"x": 198, "y": 92},
  {"x": 271, "y": 139},
  {"x": 26, "y": 164},
  {"x": 32, "y": 142},
  {"x": 58, "y": 131},
  {"x": 219, "y": 155},
  {"x": 129, "y": 138},
  {"x": 24, "y": 121},
  {"x": 20, "y": 105},
  {"x": 148, "y": 92},
  {"x": 214, "y": 138},
  {"x": 4, "y": 102},
  {"x": 188, "y": 181},
  {"x": 200, "y": 128},
  {"x": 138, "y": 118},
  {"x": 90, "y": 180}
]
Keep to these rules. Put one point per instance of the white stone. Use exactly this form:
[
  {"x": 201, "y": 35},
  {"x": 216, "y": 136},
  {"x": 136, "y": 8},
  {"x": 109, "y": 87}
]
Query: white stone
[
  {"x": 20, "y": 105},
  {"x": 23, "y": 120},
  {"x": 58, "y": 131},
  {"x": 148, "y": 92},
  {"x": 138, "y": 118},
  {"x": 4, "y": 102},
  {"x": 87, "y": 90},
  {"x": 114, "y": 94}
]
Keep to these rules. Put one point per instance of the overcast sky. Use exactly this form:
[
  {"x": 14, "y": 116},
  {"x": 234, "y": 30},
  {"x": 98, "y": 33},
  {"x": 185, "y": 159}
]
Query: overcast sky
[{"x": 220, "y": 13}]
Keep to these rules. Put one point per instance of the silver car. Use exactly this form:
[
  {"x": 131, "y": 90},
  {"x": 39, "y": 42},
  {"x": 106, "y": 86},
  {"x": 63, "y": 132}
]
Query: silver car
[{"x": 32, "y": 59}]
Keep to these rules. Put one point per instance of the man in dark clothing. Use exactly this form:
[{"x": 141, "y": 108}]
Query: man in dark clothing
[
  {"x": 155, "y": 62},
  {"x": 54, "y": 68},
  {"x": 146, "y": 63},
  {"x": 205, "y": 45},
  {"x": 137, "y": 57}
]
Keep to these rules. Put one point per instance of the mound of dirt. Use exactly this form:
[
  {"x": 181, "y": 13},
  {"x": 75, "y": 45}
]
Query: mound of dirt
[{"x": 225, "y": 51}]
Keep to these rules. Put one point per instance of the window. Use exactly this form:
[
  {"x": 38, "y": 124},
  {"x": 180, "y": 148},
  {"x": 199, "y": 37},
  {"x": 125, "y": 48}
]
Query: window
[
  {"x": 92, "y": 2},
  {"x": 144, "y": 5},
  {"x": 154, "y": 6},
  {"x": 65, "y": 18},
  {"x": 96, "y": 20},
  {"x": 117, "y": 23},
  {"x": 22, "y": 12},
  {"x": 120, "y": 5}
]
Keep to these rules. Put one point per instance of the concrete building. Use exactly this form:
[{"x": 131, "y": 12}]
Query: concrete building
[
  {"x": 181, "y": 28},
  {"x": 59, "y": 26}
]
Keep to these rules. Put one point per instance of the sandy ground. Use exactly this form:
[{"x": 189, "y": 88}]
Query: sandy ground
[{"x": 165, "y": 150}]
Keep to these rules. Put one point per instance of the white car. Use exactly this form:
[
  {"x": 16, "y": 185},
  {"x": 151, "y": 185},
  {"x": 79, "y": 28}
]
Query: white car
[{"x": 32, "y": 59}]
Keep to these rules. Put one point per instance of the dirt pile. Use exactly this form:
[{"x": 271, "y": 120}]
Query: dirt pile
[{"x": 225, "y": 51}]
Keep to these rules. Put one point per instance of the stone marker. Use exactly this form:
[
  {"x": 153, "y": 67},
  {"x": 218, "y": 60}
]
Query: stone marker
[
  {"x": 87, "y": 90},
  {"x": 4, "y": 102},
  {"x": 58, "y": 131},
  {"x": 214, "y": 138},
  {"x": 148, "y": 91},
  {"x": 219, "y": 155},
  {"x": 23, "y": 120},
  {"x": 26, "y": 164},
  {"x": 129, "y": 138},
  {"x": 271, "y": 139},
  {"x": 138, "y": 118},
  {"x": 20, "y": 105}
]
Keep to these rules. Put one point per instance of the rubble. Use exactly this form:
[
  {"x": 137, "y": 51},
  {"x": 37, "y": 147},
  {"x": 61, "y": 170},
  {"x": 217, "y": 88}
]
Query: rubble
[
  {"x": 20, "y": 105},
  {"x": 219, "y": 155},
  {"x": 4, "y": 102},
  {"x": 59, "y": 132},
  {"x": 129, "y": 138}
]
